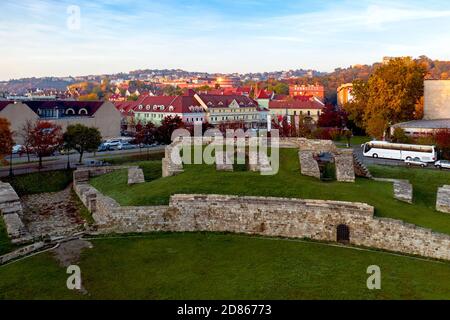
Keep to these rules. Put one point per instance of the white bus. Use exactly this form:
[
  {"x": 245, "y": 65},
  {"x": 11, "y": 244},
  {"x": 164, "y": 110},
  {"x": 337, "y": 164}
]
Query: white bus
[{"x": 398, "y": 151}]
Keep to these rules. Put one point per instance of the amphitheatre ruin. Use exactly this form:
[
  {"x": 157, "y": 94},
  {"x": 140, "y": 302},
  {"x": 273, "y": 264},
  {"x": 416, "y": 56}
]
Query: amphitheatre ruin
[{"x": 353, "y": 223}]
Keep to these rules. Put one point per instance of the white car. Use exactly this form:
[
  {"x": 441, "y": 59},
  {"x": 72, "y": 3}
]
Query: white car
[
  {"x": 442, "y": 164},
  {"x": 18, "y": 149},
  {"x": 416, "y": 162}
]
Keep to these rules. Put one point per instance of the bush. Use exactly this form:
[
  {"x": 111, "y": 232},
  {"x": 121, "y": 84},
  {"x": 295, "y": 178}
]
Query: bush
[
  {"x": 335, "y": 134},
  {"x": 322, "y": 134},
  {"x": 399, "y": 136}
]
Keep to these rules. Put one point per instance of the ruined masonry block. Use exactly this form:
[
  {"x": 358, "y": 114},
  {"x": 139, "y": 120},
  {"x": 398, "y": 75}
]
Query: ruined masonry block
[
  {"x": 223, "y": 161},
  {"x": 443, "y": 199},
  {"x": 11, "y": 210},
  {"x": 345, "y": 170},
  {"x": 309, "y": 165},
  {"x": 135, "y": 176},
  {"x": 403, "y": 191}
]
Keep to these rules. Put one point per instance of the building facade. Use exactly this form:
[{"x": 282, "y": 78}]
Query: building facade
[
  {"x": 101, "y": 115},
  {"x": 344, "y": 94},
  {"x": 437, "y": 99},
  {"x": 309, "y": 109},
  {"x": 316, "y": 90},
  {"x": 200, "y": 108}
]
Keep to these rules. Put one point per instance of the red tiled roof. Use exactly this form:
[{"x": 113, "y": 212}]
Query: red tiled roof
[
  {"x": 295, "y": 104},
  {"x": 221, "y": 101},
  {"x": 180, "y": 104},
  {"x": 3, "y": 104},
  {"x": 264, "y": 94}
]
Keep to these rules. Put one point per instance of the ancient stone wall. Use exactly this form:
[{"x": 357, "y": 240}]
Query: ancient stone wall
[
  {"x": 11, "y": 209},
  {"x": 345, "y": 169},
  {"x": 308, "y": 165},
  {"x": 443, "y": 199},
  {"x": 135, "y": 176},
  {"x": 292, "y": 218},
  {"x": 403, "y": 189}
]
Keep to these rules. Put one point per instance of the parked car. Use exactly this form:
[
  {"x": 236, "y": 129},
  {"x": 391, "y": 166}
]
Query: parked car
[
  {"x": 442, "y": 164},
  {"x": 18, "y": 149},
  {"x": 102, "y": 147},
  {"x": 126, "y": 146},
  {"x": 112, "y": 144},
  {"x": 416, "y": 162}
]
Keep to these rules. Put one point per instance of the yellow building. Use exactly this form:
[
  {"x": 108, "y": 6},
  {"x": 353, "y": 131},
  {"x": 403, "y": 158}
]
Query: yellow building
[{"x": 344, "y": 94}]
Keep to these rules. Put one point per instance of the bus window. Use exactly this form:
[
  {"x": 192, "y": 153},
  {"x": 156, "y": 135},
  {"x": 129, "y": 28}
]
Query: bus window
[{"x": 367, "y": 147}]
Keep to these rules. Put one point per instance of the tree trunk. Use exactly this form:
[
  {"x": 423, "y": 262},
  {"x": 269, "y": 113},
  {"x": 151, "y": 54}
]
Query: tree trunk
[
  {"x": 40, "y": 162},
  {"x": 81, "y": 157}
]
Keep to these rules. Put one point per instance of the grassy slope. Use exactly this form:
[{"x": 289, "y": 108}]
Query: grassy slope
[
  {"x": 40, "y": 182},
  {"x": 30, "y": 184},
  {"x": 215, "y": 266},
  {"x": 288, "y": 183}
]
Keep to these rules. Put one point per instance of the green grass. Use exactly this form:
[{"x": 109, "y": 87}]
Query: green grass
[
  {"x": 143, "y": 156},
  {"x": 5, "y": 243},
  {"x": 218, "y": 266},
  {"x": 290, "y": 183},
  {"x": 40, "y": 182}
]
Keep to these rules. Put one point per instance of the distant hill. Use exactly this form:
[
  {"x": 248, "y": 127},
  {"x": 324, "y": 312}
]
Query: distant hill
[{"x": 331, "y": 81}]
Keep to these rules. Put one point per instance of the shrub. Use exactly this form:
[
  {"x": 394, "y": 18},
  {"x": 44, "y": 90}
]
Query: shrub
[{"x": 399, "y": 136}]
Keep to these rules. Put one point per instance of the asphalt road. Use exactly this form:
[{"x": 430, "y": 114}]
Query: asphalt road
[{"x": 59, "y": 162}]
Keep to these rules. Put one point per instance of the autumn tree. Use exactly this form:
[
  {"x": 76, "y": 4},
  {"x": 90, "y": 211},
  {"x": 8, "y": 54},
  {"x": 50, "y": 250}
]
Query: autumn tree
[
  {"x": 45, "y": 138},
  {"x": 169, "y": 124},
  {"x": 332, "y": 117},
  {"x": 25, "y": 136},
  {"x": 389, "y": 96},
  {"x": 6, "y": 139},
  {"x": 442, "y": 138},
  {"x": 82, "y": 139}
]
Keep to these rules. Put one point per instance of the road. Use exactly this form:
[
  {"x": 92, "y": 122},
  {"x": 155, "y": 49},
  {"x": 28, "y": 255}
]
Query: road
[{"x": 59, "y": 162}]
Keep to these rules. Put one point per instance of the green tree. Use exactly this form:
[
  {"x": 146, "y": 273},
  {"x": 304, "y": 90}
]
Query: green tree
[
  {"x": 389, "y": 96},
  {"x": 82, "y": 139},
  {"x": 399, "y": 136}
]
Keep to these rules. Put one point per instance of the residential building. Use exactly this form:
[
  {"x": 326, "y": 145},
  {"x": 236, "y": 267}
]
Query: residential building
[
  {"x": 194, "y": 108},
  {"x": 344, "y": 94},
  {"x": 436, "y": 110},
  {"x": 101, "y": 115},
  {"x": 316, "y": 90},
  {"x": 310, "y": 109}
]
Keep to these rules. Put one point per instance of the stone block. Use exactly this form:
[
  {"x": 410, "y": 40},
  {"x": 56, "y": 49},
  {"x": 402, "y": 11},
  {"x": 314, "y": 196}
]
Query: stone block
[
  {"x": 135, "y": 176},
  {"x": 443, "y": 199},
  {"x": 309, "y": 166}
]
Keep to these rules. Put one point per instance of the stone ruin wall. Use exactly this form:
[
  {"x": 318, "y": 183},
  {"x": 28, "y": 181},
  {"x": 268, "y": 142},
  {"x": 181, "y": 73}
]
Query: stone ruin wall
[
  {"x": 11, "y": 210},
  {"x": 290, "y": 218},
  {"x": 443, "y": 199}
]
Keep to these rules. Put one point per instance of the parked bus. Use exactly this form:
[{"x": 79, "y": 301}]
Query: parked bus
[{"x": 398, "y": 151}]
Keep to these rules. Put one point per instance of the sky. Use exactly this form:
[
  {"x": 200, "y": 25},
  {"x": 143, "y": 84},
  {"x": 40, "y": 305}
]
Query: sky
[{"x": 50, "y": 38}]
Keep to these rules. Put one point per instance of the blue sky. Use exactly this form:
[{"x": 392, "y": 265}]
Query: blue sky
[{"x": 215, "y": 35}]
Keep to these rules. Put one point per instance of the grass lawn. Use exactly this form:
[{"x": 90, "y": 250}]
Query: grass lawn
[
  {"x": 142, "y": 156},
  {"x": 219, "y": 266},
  {"x": 5, "y": 243},
  {"x": 39, "y": 182},
  {"x": 287, "y": 183}
]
